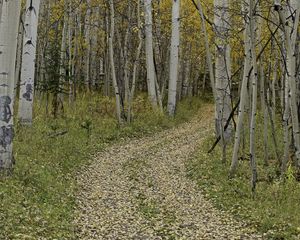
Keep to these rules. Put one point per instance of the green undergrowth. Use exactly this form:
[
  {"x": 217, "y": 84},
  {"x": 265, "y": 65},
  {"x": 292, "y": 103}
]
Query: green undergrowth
[
  {"x": 274, "y": 210},
  {"x": 37, "y": 201}
]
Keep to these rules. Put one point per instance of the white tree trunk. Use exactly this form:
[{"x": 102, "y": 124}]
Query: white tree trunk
[
  {"x": 290, "y": 29},
  {"x": 222, "y": 71},
  {"x": 207, "y": 50},
  {"x": 243, "y": 96},
  {"x": 254, "y": 95},
  {"x": 136, "y": 64},
  {"x": 112, "y": 62},
  {"x": 174, "y": 57},
  {"x": 149, "y": 53},
  {"x": 88, "y": 45},
  {"x": 28, "y": 61},
  {"x": 19, "y": 54},
  {"x": 9, "y": 23},
  {"x": 62, "y": 69}
]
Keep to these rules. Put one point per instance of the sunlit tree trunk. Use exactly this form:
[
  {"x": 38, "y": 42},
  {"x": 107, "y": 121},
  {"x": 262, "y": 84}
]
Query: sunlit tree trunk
[
  {"x": 112, "y": 62},
  {"x": 290, "y": 25},
  {"x": 9, "y": 24},
  {"x": 243, "y": 94},
  {"x": 136, "y": 64},
  {"x": 149, "y": 53},
  {"x": 254, "y": 94},
  {"x": 174, "y": 57},
  {"x": 222, "y": 71},
  {"x": 28, "y": 61},
  {"x": 19, "y": 54}
]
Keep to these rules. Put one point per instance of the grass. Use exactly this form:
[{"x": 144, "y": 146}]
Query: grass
[
  {"x": 274, "y": 210},
  {"x": 37, "y": 201}
]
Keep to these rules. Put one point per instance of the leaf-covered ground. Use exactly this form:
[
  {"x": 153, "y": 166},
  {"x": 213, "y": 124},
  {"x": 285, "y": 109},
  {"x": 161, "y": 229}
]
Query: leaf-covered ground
[
  {"x": 37, "y": 200},
  {"x": 139, "y": 190}
]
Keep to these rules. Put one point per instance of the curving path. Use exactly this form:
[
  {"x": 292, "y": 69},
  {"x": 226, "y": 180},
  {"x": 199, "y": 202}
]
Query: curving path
[{"x": 139, "y": 190}]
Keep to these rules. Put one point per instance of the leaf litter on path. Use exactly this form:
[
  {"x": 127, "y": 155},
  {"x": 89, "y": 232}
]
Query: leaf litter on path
[{"x": 139, "y": 190}]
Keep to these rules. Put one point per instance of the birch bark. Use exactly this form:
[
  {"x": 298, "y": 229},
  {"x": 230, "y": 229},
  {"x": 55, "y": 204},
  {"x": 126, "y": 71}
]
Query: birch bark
[
  {"x": 174, "y": 57},
  {"x": 112, "y": 62},
  {"x": 222, "y": 71},
  {"x": 243, "y": 94},
  {"x": 254, "y": 95},
  {"x": 290, "y": 24},
  {"x": 149, "y": 53},
  {"x": 136, "y": 64},
  {"x": 28, "y": 62},
  {"x": 8, "y": 46}
]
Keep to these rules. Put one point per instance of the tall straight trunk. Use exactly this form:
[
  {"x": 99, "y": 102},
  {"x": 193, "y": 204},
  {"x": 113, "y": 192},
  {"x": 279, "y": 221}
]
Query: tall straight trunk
[
  {"x": 107, "y": 83},
  {"x": 243, "y": 95},
  {"x": 71, "y": 21},
  {"x": 263, "y": 94},
  {"x": 62, "y": 70},
  {"x": 94, "y": 46},
  {"x": 222, "y": 72},
  {"x": 126, "y": 54},
  {"x": 9, "y": 23},
  {"x": 149, "y": 53},
  {"x": 207, "y": 50},
  {"x": 112, "y": 62},
  {"x": 174, "y": 57},
  {"x": 290, "y": 25},
  {"x": 19, "y": 55},
  {"x": 135, "y": 65},
  {"x": 254, "y": 95},
  {"x": 286, "y": 117},
  {"x": 186, "y": 78},
  {"x": 274, "y": 81},
  {"x": 28, "y": 62},
  {"x": 88, "y": 46}
]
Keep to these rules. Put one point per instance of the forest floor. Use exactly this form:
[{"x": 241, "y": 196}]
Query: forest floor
[{"x": 140, "y": 190}]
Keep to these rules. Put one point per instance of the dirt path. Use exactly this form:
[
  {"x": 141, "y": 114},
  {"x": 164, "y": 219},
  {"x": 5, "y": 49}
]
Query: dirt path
[{"x": 139, "y": 190}]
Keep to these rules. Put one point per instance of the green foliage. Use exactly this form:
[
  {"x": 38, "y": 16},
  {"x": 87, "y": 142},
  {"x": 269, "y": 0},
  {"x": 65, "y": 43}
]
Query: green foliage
[
  {"x": 37, "y": 201},
  {"x": 274, "y": 210}
]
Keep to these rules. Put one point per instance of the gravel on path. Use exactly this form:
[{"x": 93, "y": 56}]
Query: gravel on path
[{"x": 139, "y": 190}]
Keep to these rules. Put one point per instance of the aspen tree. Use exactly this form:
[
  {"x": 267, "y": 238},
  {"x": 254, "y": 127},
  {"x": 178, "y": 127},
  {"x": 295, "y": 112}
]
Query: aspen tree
[
  {"x": 87, "y": 27},
  {"x": 243, "y": 92},
  {"x": 174, "y": 57},
  {"x": 112, "y": 62},
  {"x": 59, "y": 95},
  {"x": 9, "y": 23},
  {"x": 290, "y": 26},
  {"x": 222, "y": 71},
  {"x": 149, "y": 53},
  {"x": 136, "y": 62},
  {"x": 28, "y": 61},
  {"x": 19, "y": 53},
  {"x": 254, "y": 94}
]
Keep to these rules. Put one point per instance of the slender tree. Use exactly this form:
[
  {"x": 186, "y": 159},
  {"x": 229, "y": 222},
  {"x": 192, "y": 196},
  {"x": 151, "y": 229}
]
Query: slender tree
[
  {"x": 28, "y": 61},
  {"x": 149, "y": 53},
  {"x": 243, "y": 91},
  {"x": 8, "y": 47},
  {"x": 222, "y": 71},
  {"x": 112, "y": 62},
  {"x": 174, "y": 57},
  {"x": 289, "y": 17}
]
